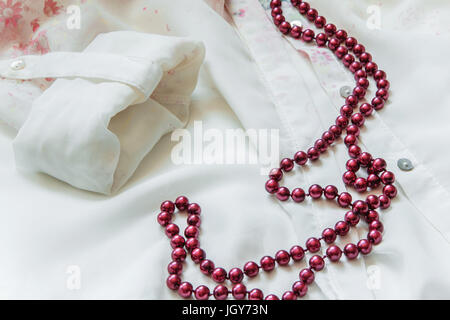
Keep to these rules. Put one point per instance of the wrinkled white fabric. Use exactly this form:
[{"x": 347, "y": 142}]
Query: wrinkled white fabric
[
  {"x": 96, "y": 122},
  {"x": 61, "y": 242}
]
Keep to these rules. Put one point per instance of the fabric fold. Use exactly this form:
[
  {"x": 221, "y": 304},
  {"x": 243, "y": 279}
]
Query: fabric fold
[{"x": 96, "y": 122}]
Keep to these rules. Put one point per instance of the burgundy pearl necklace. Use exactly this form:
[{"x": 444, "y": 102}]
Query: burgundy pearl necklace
[{"x": 359, "y": 62}]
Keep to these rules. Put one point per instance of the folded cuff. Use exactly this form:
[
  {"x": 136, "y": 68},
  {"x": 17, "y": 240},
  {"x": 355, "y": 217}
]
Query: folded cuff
[{"x": 107, "y": 108}]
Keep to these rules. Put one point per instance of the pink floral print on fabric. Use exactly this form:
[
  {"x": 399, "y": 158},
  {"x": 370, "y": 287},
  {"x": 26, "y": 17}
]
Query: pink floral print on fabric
[{"x": 10, "y": 12}]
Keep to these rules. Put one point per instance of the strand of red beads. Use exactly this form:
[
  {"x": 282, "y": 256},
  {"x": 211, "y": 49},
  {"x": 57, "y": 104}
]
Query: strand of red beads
[{"x": 359, "y": 62}]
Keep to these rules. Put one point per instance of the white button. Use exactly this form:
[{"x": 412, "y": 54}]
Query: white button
[
  {"x": 345, "y": 91},
  {"x": 18, "y": 64},
  {"x": 405, "y": 164},
  {"x": 296, "y": 23}
]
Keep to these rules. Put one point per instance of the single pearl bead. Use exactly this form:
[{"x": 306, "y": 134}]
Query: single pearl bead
[
  {"x": 164, "y": 218},
  {"x": 387, "y": 177},
  {"x": 355, "y": 66},
  {"x": 191, "y": 232},
  {"x": 346, "y": 110},
  {"x": 330, "y": 29},
  {"x": 272, "y": 296},
  {"x": 363, "y": 82},
  {"x": 337, "y": 131},
  {"x": 297, "y": 253},
  {"x": 316, "y": 263},
  {"x": 168, "y": 206},
  {"x": 371, "y": 68},
  {"x": 351, "y": 100},
  {"x": 354, "y": 151},
  {"x": 267, "y": 263},
  {"x": 364, "y": 246},
  {"x": 287, "y": 164},
  {"x": 383, "y": 94},
  {"x": 341, "y": 122},
  {"x": 192, "y": 243},
  {"x": 296, "y": 31},
  {"x": 365, "y": 57},
  {"x": 358, "y": 49},
  {"x": 179, "y": 254},
  {"x": 345, "y": 198},
  {"x": 351, "y": 251},
  {"x": 329, "y": 235},
  {"x": 275, "y": 3},
  {"x": 329, "y": 137},
  {"x": 350, "y": 139},
  {"x": 198, "y": 255},
  {"x": 365, "y": 159},
  {"x": 276, "y": 174},
  {"x": 219, "y": 275},
  {"x": 172, "y": 229},
  {"x": 285, "y": 27},
  {"x": 312, "y": 14},
  {"x": 177, "y": 241},
  {"x": 173, "y": 282},
  {"x": 307, "y": 276},
  {"x": 385, "y": 202},
  {"x": 373, "y": 181},
  {"x": 283, "y": 193},
  {"x": 236, "y": 275},
  {"x": 251, "y": 269},
  {"x": 303, "y": 7},
  {"x": 276, "y": 11},
  {"x": 289, "y": 295},
  {"x": 313, "y": 244},
  {"x": 182, "y": 203},
  {"x": 383, "y": 84},
  {"x": 321, "y": 145},
  {"x": 341, "y": 51},
  {"x": 360, "y": 74},
  {"x": 320, "y": 22},
  {"x": 357, "y": 119},
  {"x": 333, "y": 44},
  {"x": 315, "y": 191},
  {"x": 313, "y": 153},
  {"x": 360, "y": 207},
  {"x": 207, "y": 267},
  {"x": 341, "y": 35},
  {"x": 341, "y": 228},
  {"x": 278, "y": 19},
  {"x": 360, "y": 185},
  {"x": 350, "y": 42},
  {"x": 298, "y": 195},
  {"x": 352, "y": 218},
  {"x": 354, "y": 130},
  {"x": 282, "y": 257},
  {"x": 390, "y": 191},
  {"x": 255, "y": 294},
  {"x": 201, "y": 293},
  {"x": 372, "y": 216},
  {"x": 220, "y": 292},
  {"x": 239, "y": 291},
  {"x": 175, "y": 267},
  {"x": 334, "y": 253},
  {"x": 300, "y": 288},
  {"x": 185, "y": 289},
  {"x": 360, "y": 92},
  {"x": 194, "y": 208},
  {"x": 300, "y": 158},
  {"x": 321, "y": 39},
  {"x": 372, "y": 201},
  {"x": 352, "y": 165},
  {"x": 330, "y": 192},
  {"x": 272, "y": 186},
  {"x": 379, "y": 75},
  {"x": 194, "y": 220},
  {"x": 375, "y": 236},
  {"x": 376, "y": 225},
  {"x": 377, "y": 103},
  {"x": 349, "y": 177},
  {"x": 379, "y": 164},
  {"x": 308, "y": 35}
]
